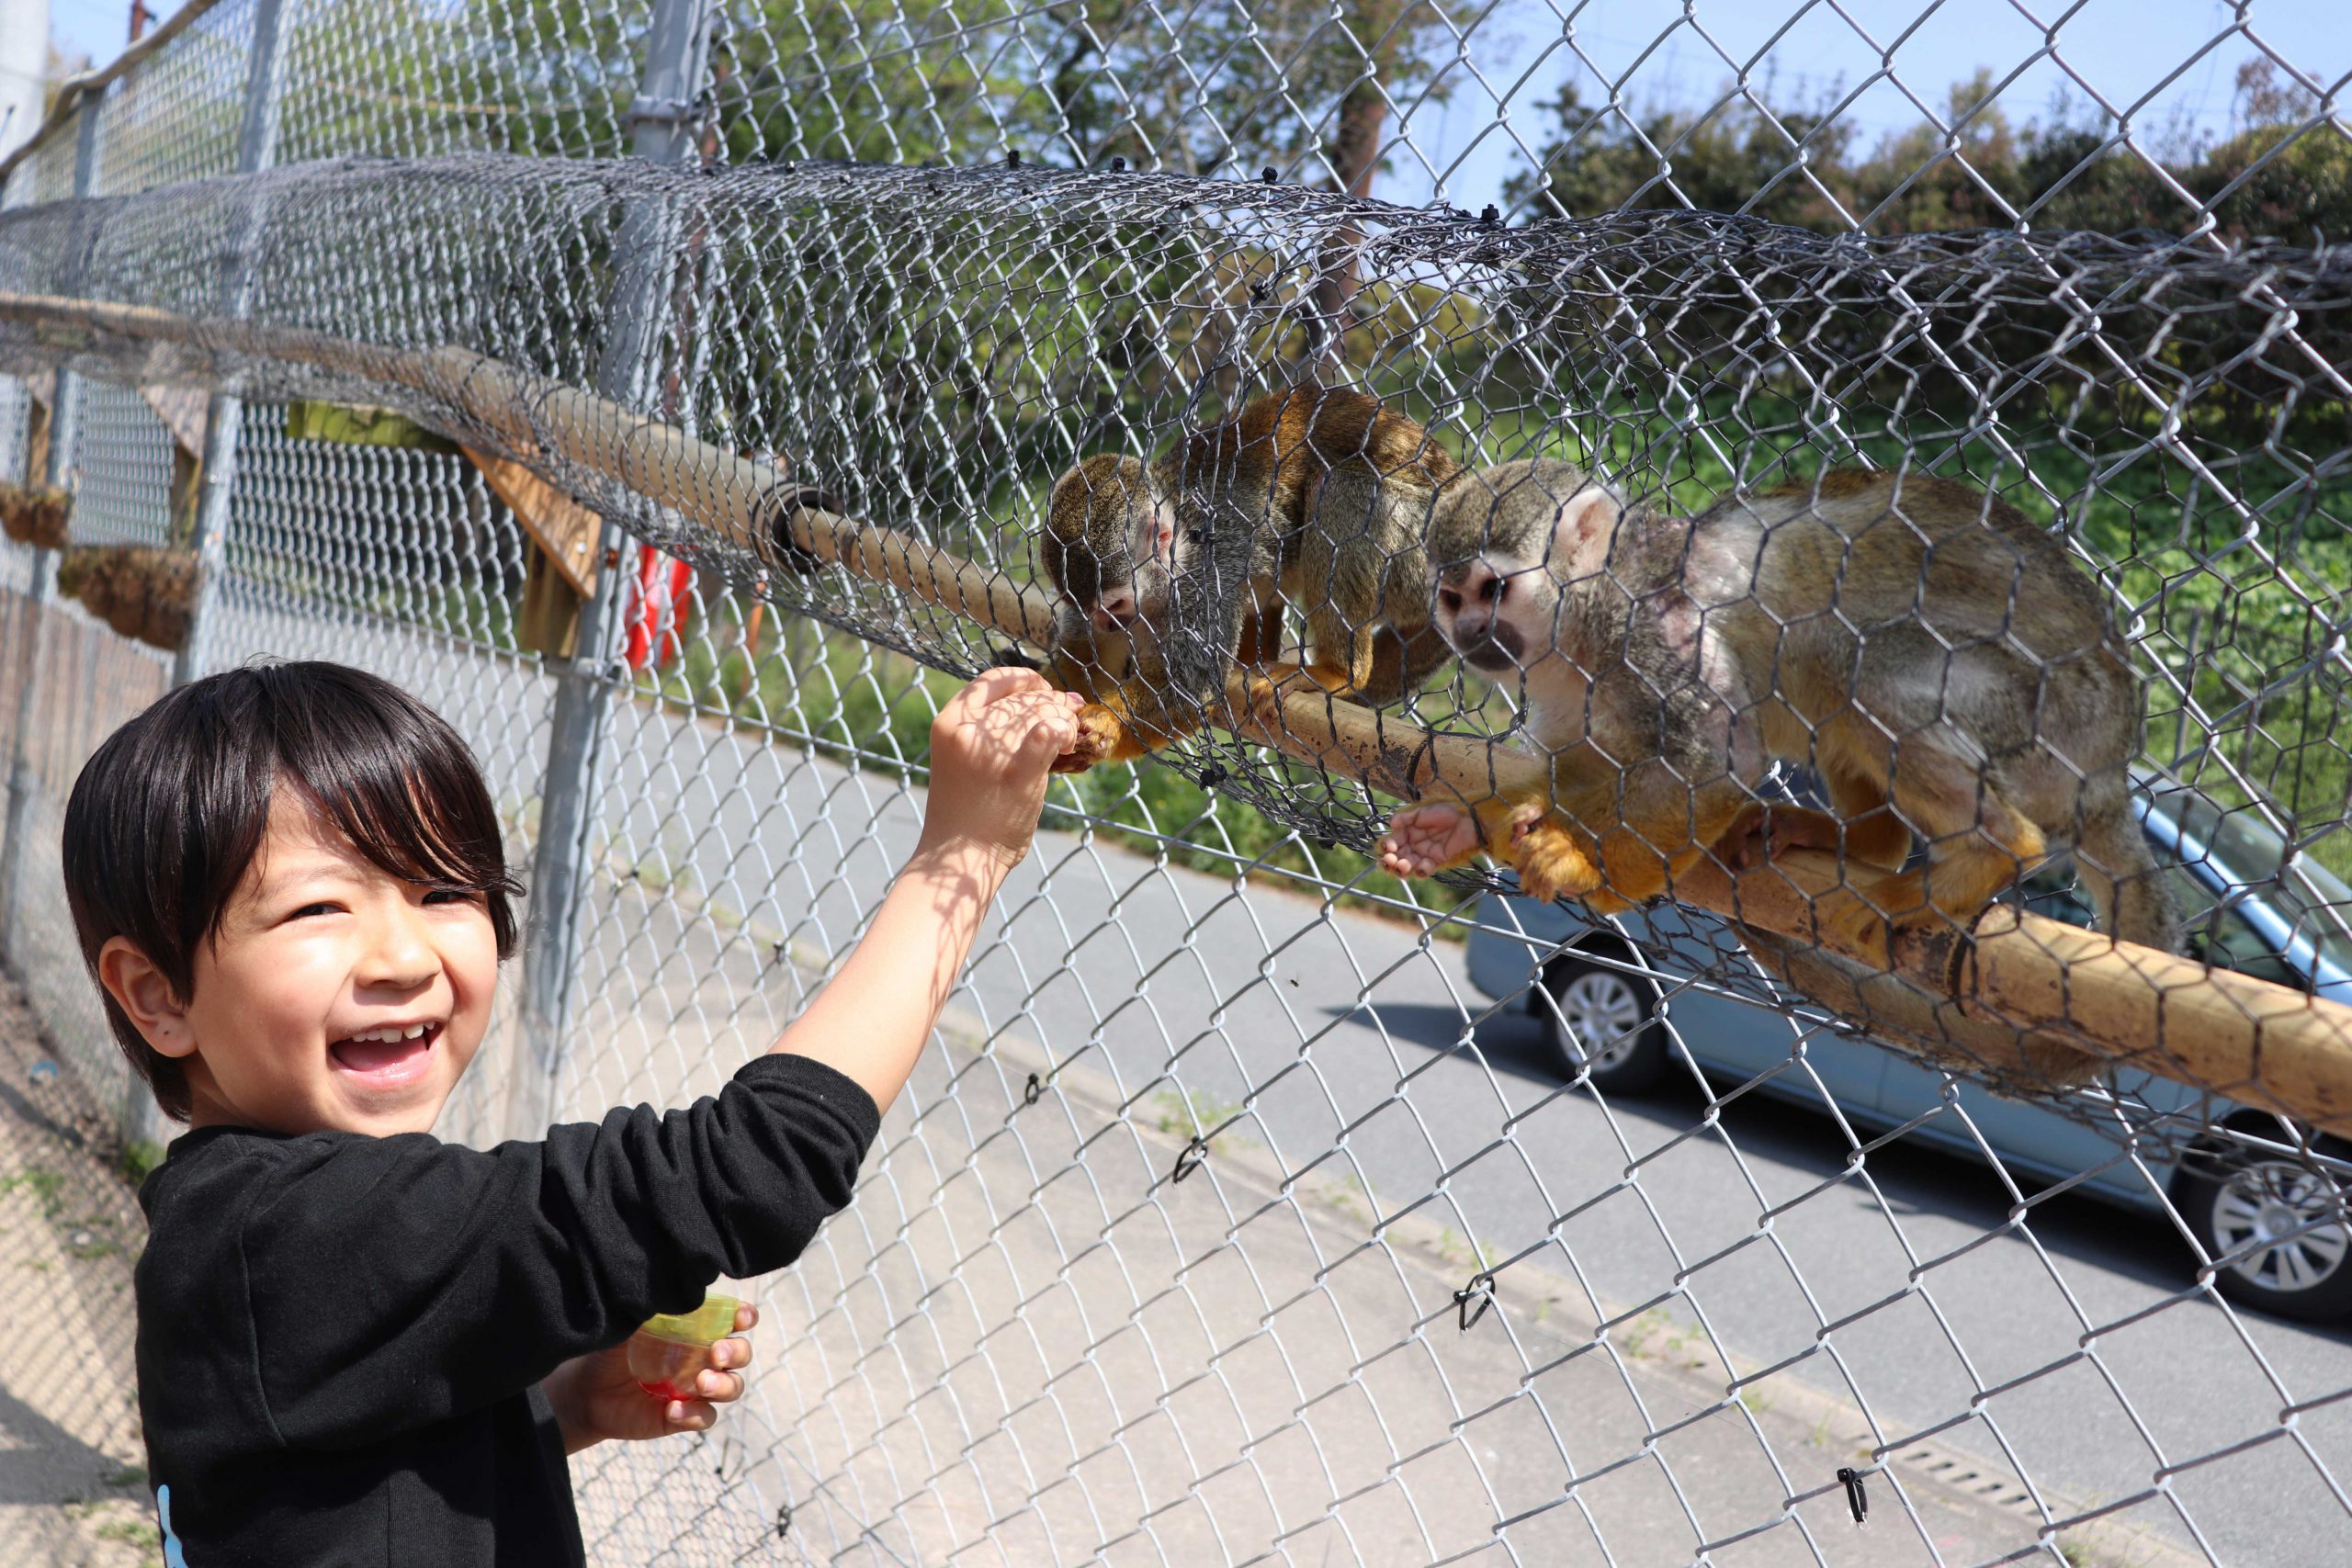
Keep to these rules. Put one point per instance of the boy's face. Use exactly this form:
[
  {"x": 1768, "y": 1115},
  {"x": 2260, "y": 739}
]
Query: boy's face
[{"x": 335, "y": 996}]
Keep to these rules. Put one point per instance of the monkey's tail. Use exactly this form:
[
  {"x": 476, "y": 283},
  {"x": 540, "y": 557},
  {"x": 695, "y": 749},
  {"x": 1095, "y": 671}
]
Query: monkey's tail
[{"x": 2120, "y": 872}]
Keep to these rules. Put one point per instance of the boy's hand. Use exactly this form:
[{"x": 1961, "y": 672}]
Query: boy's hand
[
  {"x": 992, "y": 750},
  {"x": 594, "y": 1397}
]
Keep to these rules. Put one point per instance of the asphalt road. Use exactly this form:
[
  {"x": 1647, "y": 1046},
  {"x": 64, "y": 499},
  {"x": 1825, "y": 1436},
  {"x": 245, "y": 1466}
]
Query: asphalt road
[{"x": 1353, "y": 1047}]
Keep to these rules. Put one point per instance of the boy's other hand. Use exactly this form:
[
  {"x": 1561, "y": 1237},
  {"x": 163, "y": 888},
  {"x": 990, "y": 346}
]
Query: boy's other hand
[
  {"x": 594, "y": 1397},
  {"x": 992, "y": 750}
]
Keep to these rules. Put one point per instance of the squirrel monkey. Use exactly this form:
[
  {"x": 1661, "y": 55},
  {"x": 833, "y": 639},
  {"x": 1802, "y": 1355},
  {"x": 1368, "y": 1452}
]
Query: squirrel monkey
[
  {"x": 1169, "y": 574},
  {"x": 1938, "y": 661}
]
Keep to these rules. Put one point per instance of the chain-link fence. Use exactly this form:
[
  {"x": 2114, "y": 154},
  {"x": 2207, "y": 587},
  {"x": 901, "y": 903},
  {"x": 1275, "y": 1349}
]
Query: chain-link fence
[{"x": 674, "y": 397}]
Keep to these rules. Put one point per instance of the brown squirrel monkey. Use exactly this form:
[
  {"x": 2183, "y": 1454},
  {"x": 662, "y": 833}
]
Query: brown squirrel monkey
[
  {"x": 1169, "y": 574},
  {"x": 1938, "y": 661}
]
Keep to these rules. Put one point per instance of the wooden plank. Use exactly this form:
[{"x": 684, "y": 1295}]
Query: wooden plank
[
  {"x": 566, "y": 530},
  {"x": 182, "y": 411},
  {"x": 548, "y": 621}
]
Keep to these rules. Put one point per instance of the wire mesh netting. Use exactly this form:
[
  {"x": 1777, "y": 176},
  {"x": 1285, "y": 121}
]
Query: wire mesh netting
[{"x": 1244, "y": 1209}]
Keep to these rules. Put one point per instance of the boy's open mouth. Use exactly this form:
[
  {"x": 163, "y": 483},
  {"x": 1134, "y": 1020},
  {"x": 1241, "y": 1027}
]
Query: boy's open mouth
[{"x": 388, "y": 1055}]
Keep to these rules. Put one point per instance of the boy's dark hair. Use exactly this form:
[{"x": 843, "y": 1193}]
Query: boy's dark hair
[{"x": 168, "y": 812}]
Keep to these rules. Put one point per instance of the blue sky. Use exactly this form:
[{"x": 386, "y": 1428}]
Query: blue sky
[
  {"x": 98, "y": 28},
  {"x": 2127, "y": 49}
]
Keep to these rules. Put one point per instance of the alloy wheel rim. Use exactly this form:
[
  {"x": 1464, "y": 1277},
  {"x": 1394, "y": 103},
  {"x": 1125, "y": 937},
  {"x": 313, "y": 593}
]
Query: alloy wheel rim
[
  {"x": 2280, "y": 1223},
  {"x": 1598, "y": 1006}
]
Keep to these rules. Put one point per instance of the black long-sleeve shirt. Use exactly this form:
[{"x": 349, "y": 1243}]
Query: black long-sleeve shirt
[{"x": 341, "y": 1338}]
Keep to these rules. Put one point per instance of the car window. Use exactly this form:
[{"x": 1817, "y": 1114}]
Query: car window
[
  {"x": 2242, "y": 851},
  {"x": 2051, "y": 891},
  {"x": 2222, "y": 937},
  {"x": 2225, "y": 941}
]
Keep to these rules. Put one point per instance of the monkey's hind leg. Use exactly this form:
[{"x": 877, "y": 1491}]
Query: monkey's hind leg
[
  {"x": 1865, "y": 829},
  {"x": 1339, "y": 662},
  {"x": 1651, "y": 823},
  {"x": 1398, "y": 664},
  {"x": 1978, "y": 845}
]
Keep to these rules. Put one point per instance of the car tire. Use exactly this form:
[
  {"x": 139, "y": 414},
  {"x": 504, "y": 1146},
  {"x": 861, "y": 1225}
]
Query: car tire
[
  {"x": 1601, "y": 1009},
  {"x": 2234, "y": 1199}
]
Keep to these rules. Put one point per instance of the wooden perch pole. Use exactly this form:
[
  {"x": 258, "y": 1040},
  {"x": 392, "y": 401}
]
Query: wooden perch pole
[{"x": 2015, "y": 978}]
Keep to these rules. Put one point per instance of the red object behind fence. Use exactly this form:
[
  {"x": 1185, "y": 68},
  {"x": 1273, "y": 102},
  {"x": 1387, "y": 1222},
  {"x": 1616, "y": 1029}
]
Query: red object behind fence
[{"x": 660, "y": 606}]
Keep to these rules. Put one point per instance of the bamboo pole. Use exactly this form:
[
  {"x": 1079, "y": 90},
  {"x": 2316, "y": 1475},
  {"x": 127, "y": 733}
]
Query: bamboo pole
[{"x": 2015, "y": 985}]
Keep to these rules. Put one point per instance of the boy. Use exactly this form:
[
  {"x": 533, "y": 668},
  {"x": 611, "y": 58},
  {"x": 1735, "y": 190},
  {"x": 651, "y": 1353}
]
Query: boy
[{"x": 358, "y": 1344}]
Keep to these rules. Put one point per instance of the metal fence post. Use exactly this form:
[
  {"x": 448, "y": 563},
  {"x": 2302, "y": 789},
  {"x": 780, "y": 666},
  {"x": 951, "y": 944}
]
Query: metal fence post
[
  {"x": 224, "y": 416},
  {"x": 675, "y": 54},
  {"x": 63, "y": 417}
]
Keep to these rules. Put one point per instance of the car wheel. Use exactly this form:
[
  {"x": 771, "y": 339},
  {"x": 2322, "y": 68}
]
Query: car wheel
[
  {"x": 1603, "y": 1021},
  {"x": 2279, "y": 1225}
]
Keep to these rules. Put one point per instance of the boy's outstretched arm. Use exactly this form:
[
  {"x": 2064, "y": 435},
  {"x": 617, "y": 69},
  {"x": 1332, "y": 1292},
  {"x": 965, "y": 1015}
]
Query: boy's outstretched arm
[{"x": 992, "y": 748}]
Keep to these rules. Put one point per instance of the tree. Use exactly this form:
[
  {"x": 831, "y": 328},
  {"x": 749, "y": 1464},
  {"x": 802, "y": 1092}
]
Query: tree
[{"x": 1739, "y": 155}]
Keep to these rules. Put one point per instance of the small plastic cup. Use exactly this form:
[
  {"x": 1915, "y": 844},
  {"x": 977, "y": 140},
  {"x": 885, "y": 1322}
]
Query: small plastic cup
[{"x": 668, "y": 1353}]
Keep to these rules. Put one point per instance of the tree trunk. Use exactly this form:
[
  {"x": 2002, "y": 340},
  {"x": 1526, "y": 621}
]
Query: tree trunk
[{"x": 1355, "y": 161}]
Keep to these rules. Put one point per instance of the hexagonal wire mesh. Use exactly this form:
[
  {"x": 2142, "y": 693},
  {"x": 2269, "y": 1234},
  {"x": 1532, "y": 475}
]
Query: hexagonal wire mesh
[{"x": 1241, "y": 1209}]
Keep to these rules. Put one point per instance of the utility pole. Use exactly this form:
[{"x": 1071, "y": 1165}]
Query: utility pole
[
  {"x": 224, "y": 416},
  {"x": 644, "y": 252}
]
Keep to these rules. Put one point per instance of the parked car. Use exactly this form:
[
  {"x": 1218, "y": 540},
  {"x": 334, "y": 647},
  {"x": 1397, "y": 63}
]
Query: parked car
[{"x": 2278, "y": 1221}]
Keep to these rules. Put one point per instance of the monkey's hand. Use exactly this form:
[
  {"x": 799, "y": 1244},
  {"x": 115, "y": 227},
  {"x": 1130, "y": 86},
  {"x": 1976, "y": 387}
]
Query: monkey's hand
[
  {"x": 1102, "y": 737},
  {"x": 1429, "y": 838},
  {"x": 1553, "y": 863}
]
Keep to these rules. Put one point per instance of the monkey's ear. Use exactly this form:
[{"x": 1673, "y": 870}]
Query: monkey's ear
[
  {"x": 1582, "y": 527},
  {"x": 1159, "y": 529}
]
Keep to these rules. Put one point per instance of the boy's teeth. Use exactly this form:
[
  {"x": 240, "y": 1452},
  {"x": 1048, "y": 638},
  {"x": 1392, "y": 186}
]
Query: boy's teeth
[{"x": 388, "y": 1035}]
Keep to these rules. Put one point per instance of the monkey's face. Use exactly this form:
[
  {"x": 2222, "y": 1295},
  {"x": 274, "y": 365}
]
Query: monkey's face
[
  {"x": 1482, "y": 611},
  {"x": 1523, "y": 534},
  {"x": 1108, "y": 535}
]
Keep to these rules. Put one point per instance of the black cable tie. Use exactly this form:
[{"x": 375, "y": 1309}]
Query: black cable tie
[
  {"x": 1856, "y": 1498},
  {"x": 1489, "y": 215},
  {"x": 1214, "y": 775},
  {"x": 1481, "y": 1289},
  {"x": 1036, "y": 1089},
  {"x": 1190, "y": 1160},
  {"x": 783, "y": 1519},
  {"x": 1268, "y": 175},
  {"x": 1118, "y": 165},
  {"x": 1012, "y": 159},
  {"x": 771, "y": 513}
]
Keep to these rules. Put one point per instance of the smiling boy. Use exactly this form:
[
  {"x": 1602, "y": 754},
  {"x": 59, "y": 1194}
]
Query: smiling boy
[{"x": 357, "y": 1343}]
